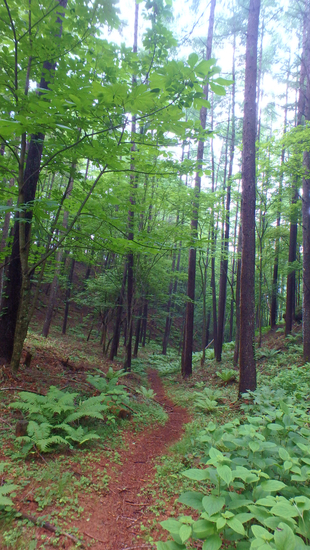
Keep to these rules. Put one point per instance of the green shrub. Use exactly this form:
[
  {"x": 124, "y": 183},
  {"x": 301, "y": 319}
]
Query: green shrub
[
  {"x": 227, "y": 375},
  {"x": 50, "y": 418},
  {"x": 206, "y": 400},
  {"x": 255, "y": 491}
]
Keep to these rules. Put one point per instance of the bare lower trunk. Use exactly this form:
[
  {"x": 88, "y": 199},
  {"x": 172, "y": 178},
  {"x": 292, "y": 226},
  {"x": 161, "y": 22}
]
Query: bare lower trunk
[
  {"x": 68, "y": 294},
  {"x": 247, "y": 368},
  {"x": 189, "y": 316},
  {"x": 21, "y": 325},
  {"x": 137, "y": 335},
  {"x": 52, "y": 296},
  {"x": 118, "y": 320}
]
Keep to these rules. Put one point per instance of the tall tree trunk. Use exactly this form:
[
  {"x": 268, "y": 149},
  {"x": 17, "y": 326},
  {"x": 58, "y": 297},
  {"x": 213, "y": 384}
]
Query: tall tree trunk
[
  {"x": 306, "y": 210},
  {"x": 274, "y": 290},
  {"x": 247, "y": 368},
  {"x": 237, "y": 335},
  {"x": 144, "y": 322},
  {"x": 137, "y": 335},
  {"x": 118, "y": 320},
  {"x": 189, "y": 319},
  {"x": 291, "y": 276},
  {"x": 59, "y": 255},
  {"x": 233, "y": 273},
  {"x": 224, "y": 259},
  {"x": 203, "y": 266},
  {"x": 68, "y": 294},
  {"x": 133, "y": 184}
]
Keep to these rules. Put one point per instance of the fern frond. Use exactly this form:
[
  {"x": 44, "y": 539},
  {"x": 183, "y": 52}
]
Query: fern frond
[
  {"x": 45, "y": 444},
  {"x": 37, "y": 431},
  {"x": 79, "y": 435},
  {"x": 6, "y": 490}
]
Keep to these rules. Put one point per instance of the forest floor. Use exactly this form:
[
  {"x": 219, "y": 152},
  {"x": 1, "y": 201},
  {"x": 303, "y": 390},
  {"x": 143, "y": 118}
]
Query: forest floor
[{"x": 109, "y": 495}]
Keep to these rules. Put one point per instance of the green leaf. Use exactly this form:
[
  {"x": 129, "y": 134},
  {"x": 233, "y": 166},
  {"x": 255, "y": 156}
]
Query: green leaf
[
  {"x": 261, "y": 532},
  {"x": 284, "y": 454},
  {"x": 192, "y": 59},
  {"x": 275, "y": 427},
  {"x": 218, "y": 90},
  {"x": 204, "y": 66},
  {"x": 220, "y": 523},
  {"x": 192, "y": 499},
  {"x": 284, "y": 537},
  {"x": 171, "y": 525},
  {"x": 284, "y": 509},
  {"x": 213, "y": 543},
  {"x": 185, "y": 532},
  {"x": 254, "y": 446},
  {"x": 223, "y": 81},
  {"x": 196, "y": 475},
  {"x": 225, "y": 473},
  {"x": 236, "y": 525},
  {"x": 213, "y": 504},
  {"x": 272, "y": 485},
  {"x": 203, "y": 529}
]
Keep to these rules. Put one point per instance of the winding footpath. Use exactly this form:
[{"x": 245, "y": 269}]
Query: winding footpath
[{"x": 114, "y": 518}]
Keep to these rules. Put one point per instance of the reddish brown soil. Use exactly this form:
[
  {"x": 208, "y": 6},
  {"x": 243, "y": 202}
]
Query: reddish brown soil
[{"x": 113, "y": 519}]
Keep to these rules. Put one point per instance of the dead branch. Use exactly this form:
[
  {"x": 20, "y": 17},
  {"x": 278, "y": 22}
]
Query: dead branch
[{"x": 49, "y": 527}]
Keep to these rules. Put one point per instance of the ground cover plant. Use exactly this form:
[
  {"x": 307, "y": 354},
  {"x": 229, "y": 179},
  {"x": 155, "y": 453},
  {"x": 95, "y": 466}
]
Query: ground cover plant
[{"x": 252, "y": 487}]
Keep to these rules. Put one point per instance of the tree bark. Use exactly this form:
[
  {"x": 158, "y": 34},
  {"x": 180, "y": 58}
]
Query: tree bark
[
  {"x": 291, "y": 276},
  {"x": 237, "y": 335},
  {"x": 247, "y": 368},
  {"x": 224, "y": 259},
  {"x": 68, "y": 294},
  {"x": 59, "y": 255},
  {"x": 118, "y": 320},
  {"x": 274, "y": 290},
  {"x": 306, "y": 211},
  {"x": 189, "y": 316},
  {"x": 130, "y": 256}
]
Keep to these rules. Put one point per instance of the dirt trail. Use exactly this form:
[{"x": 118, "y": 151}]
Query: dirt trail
[{"x": 114, "y": 518}]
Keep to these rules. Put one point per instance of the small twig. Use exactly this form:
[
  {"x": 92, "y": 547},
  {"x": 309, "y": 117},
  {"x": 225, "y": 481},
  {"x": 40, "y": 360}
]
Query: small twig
[
  {"x": 49, "y": 527},
  {"x": 210, "y": 343},
  {"x": 92, "y": 537},
  {"x": 132, "y": 504}
]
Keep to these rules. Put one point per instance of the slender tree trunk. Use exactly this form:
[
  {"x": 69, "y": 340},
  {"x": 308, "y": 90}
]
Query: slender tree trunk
[
  {"x": 189, "y": 322},
  {"x": 130, "y": 256},
  {"x": 306, "y": 211},
  {"x": 144, "y": 322},
  {"x": 237, "y": 335},
  {"x": 274, "y": 291},
  {"x": 68, "y": 294},
  {"x": 59, "y": 255},
  {"x": 291, "y": 276},
  {"x": 52, "y": 296},
  {"x": 247, "y": 378},
  {"x": 118, "y": 320},
  {"x": 224, "y": 259},
  {"x": 168, "y": 318},
  {"x": 233, "y": 270},
  {"x": 203, "y": 265},
  {"x": 137, "y": 335}
]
